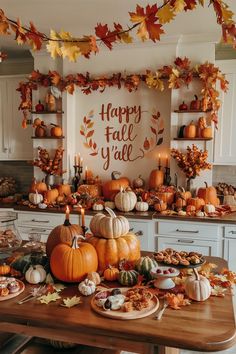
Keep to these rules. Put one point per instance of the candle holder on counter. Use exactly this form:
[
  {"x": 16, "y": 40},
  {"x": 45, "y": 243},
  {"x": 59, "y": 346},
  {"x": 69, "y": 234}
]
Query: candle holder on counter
[
  {"x": 85, "y": 229},
  {"x": 77, "y": 176},
  {"x": 167, "y": 177}
]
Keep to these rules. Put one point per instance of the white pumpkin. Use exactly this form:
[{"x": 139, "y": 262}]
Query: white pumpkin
[
  {"x": 182, "y": 213},
  {"x": 209, "y": 208},
  {"x": 35, "y": 198},
  {"x": 110, "y": 204},
  {"x": 87, "y": 287},
  {"x": 141, "y": 206},
  {"x": 200, "y": 214},
  {"x": 197, "y": 287},
  {"x": 98, "y": 206},
  {"x": 35, "y": 274},
  {"x": 125, "y": 200}
]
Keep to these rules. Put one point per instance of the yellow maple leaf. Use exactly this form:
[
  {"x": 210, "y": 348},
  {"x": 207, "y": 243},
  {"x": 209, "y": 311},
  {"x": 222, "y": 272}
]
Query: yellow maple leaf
[
  {"x": 142, "y": 32},
  {"x": 126, "y": 38},
  {"x": 71, "y": 301},
  {"x": 227, "y": 15},
  {"x": 179, "y": 6},
  {"x": 69, "y": 48},
  {"x": 46, "y": 299},
  {"x": 53, "y": 47},
  {"x": 166, "y": 14}
]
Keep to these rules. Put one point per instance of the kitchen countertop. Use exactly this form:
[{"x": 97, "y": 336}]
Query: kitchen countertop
[{"x": 148, "y": 215}]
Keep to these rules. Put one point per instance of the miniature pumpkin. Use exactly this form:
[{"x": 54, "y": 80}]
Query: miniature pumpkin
[
  {"x": 93, "y": 190},
  {"x": 138, "y": 182},
  {"x": 125, "y": 200},
  {"x": 160, "y": 205},
  {"x": 4, "y": 269},
  {"x": 195, "y": 105},
  {"x": 40, "y": 131},
  {"x": 209, "y": 194},
  {"x": 156, "y": 179},
  {"x": 141, "y": 206},
  {"x": 145, "y": 264},
  {"x": 190, "y": 131},
  {"x": 182, "y": 193},
  {"x": 209, "y": 208},
  {"x": 128, "y": 277},
  {"x": 167, "y": 197},
  {"x": 110, "y": 226},
  {"x": 111, "y": 273},
  {"x": 35, "y": 274},
  {"x": 64, "y": 189},
  {"x": 56, "y": 131},
  {"x": 197, "y": 287},
  {"x": 95, "y": 277},
  {"x": 200, "y": 213},
  {"x": 183, "y": 106},
  {"x": 51, "y": 102},
  {"x": 39, "y": 107},
  {"x": 197, "y": 202},
  {"x": 110, "y": 204},
  {"x": 112, "y": 187},
  {"x": 73, "y": 263},
  {"x": 87, "y": 287},
  {"x": 206, "y": 132},
  {"x": 35, "y": 198},
  {"x": 51, "y": 195},
  {"x": 180, "y": 203},
  {"x": 62, "y": 234},
  {"x": 41, "y": 186},
  {"x": 112, "y": 251},
  {"x": 97, "y": 206}
]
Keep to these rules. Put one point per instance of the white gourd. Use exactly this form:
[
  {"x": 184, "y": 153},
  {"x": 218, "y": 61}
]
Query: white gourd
[
  {"x": 141, "y": 206},
  {"x": 98, "y": 207},
  {"x": 197, "y": 287},
  {"x": 87, "y": 287},
  {"x": 35, "y": 274},
  {"x": 125, "y": 200},
  {"x": 209, "y": 208},
  {"x": 35, "y": 198}
]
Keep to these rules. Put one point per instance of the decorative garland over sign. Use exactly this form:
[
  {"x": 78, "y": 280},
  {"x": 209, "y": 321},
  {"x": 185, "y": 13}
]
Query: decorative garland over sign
[
  {"x": 179, "y": 74},
  {"x": 148, "y": 21}
]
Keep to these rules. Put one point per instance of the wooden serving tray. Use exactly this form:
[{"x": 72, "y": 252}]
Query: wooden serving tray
[
  {"x": 10, "y": 296},
  {"x": 120, "y": 315}
]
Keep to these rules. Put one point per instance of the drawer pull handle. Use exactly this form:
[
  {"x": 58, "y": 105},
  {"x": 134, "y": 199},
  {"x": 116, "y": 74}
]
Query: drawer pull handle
[
  {"x": 37, "y": 230},
  {"x": 42, "y": 221},
  {"x": 139, "y": 233},
  {"x": 186, "y": 241},
  {"x": 232, "y": 232},
  {"x": 188, "y": 231}
]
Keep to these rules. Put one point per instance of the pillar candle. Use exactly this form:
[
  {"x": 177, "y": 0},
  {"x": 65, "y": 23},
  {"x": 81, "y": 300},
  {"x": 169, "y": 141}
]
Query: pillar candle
[
  {"x": 82, "y": 217},
  {"x": 67, "y": 212}
]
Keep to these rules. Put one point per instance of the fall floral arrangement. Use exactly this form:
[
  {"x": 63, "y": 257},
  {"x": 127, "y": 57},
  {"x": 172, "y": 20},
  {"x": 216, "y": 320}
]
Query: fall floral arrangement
[
  {"x": 192, "y": 162},
  {"x": 52, "y": 166}
]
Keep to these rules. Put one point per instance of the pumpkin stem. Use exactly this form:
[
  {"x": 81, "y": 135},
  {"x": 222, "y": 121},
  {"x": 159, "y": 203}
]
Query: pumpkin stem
[
  {"x": 114, "y": 175},
  {"x": 196, "y": 274},
  {"x": 75, "y": 241},
  {"x": 110, "y": 212},
  {"x": 196, "y": 98},
  {"x": 206, "y": 184}
]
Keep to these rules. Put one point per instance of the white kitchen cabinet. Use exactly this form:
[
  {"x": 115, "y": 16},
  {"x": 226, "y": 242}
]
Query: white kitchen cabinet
[
  {"x": 15, "y": 142},
  {"x": 142, "y": 228},
  {"x": 225, "y": 142},
  {"x": 230, "y": 253}
]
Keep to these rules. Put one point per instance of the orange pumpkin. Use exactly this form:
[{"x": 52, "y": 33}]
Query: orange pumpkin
[
  {"x": 41, "y": 186},
  {"x": 111, "y": 251},
  {"x": 62, "y": 234},
  {"x": 167, "y": 197},
  {"x": 51, "y": 195},
  {"x": 93, "y": 190},
  {"x": 180, "y": 203},
  {"x": 209, "y": 195},
  {"x": 206, "y": 132},
  {"x": 182, "y": 193},
  {"x": 156, "y": 179},
  {"x": 56, "y": 131},
  {"x": 190, "y": 209},
  {"x": 160, "y": 205},
  {"x": 64, "y": 189},
  {"x": 73, "y": 263},
  {"x": 113, "y": 186},
  {"x": 111, "y": 273},
  {"x": 190, "y": 131},
  {"x": 198, "y": 203},
  {"x": 4, "y": 269}
]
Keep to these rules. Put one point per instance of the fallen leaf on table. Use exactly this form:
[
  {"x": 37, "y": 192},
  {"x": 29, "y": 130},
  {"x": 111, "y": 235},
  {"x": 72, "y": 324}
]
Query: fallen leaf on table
[
  {"x": 207, "y": 268},
  {"x": 71, "y": 301},
  {"x": 46, "y": 299},
  {"x": 176, "y": 301},
  {"x": 231, "y": 276},
  {"x": 218, "y": 291},
  {"x": 59, "y": 287}
]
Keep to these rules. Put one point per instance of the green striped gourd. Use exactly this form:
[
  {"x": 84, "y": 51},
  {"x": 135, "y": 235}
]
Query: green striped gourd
[
  {"x": 128, "y": 277},
  {"x": 145, "y": 264}
]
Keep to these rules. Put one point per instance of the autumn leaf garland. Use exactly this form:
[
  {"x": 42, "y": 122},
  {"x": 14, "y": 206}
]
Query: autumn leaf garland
[{"x": 147, "y": 20}]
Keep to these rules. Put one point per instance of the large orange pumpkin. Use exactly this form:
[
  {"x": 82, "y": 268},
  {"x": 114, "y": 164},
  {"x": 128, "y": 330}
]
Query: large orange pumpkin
[
  {"x": 156, "y": 179},
  {"x": 73, "y": 263},
  {"x": 209, "y": 195},
  {"x": 111, "y": 251},
  {"x": 93, "y": 190},
  {"x": 62, "y": 234},
  {"x": 113, "y": 186}
]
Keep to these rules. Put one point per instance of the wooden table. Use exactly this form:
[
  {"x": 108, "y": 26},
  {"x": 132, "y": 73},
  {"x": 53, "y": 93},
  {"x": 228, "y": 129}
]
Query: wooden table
[{"x": 207, "y": 326}]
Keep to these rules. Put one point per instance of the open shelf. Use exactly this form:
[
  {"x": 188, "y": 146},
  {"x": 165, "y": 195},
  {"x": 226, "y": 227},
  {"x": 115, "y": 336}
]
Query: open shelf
[
  {"x": 197, "y": 139},
  {"x": 191, "y": 111},
  {"x": 47, "y": 137},
  {"x": 47, "y": 112}
]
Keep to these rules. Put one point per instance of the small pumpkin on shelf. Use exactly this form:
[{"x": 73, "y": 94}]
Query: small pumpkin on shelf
[
  {"x": 160, "y": 205},
  {"x": 40, "y": 186},
  {"x": 56, "y": 131},
  {"x": 195, "y": 104},
  {"x": 209, "y": 194},
  {"x": 98, "y": 206},
  {"x": 183, "y": 106},
  {"x": 64, "y": 188},
  {"x": 190, "y": 131},
  {"x": 141, "y": 205},
  {"x": 197, "y": 202},
  {"x": 209, "y": 208}
]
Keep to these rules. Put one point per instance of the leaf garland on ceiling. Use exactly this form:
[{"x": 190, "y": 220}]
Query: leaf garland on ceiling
[
  {"x": 148, "y": 21},
  {"x": 178, "y": 75}
]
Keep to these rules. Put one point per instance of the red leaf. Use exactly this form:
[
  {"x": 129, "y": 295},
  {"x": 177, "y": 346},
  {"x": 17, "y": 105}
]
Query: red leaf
[
  {"x": 90, "y": 143},
  {"x": 190, "y": 5},
  {"x": 85, "y": 119},
  {"x": 81, "y": 132},
  {"x": 154, "y": 130},
  {"x": 35, "y": 36},
  {"x": 105, "y": 35},
  {"x": 94, "y": 146},
  {"x": 182, "y": 63},
  {"x": 90, "y": 133},
  {"x": 161, "y": 131},
  {"x": 160, "y": 141}
]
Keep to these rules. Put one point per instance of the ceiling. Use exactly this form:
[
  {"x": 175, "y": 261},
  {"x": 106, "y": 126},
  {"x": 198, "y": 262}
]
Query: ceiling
[{"x": 81, "y": 16}]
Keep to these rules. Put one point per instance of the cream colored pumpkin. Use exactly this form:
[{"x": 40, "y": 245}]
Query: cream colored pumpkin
[
  {"x": 35, "y": 274},
  {"x": 197, "y": 287},
  {"x": 125, "y": 200},
  {"x": 200, "y": 214},
  {"x": 35, "y": 198},
  {"x": 141, "y": 206},
  {"x": 87, "y": 287},
  {"x": 110, "y": 226},
  {"x": 97, "y": 206},
  {"x": 209, "y": 208}
]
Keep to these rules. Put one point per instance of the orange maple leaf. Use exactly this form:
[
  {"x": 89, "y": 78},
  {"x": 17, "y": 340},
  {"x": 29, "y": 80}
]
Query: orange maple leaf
[
  {"x": 4, "y": 25},
  {"x": 55, "y": 77},
  {"x": 182, "y": 63},
  {"x": 20, "y": 32},
  {"x": 35, "y": 37},
  {"x": 176, "y": 301}
]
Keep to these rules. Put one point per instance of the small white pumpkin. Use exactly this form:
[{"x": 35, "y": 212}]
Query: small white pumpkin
[
  {"x": 87, "y": 287},
  {"x": 182, "y": 213},
  {"x": 209, "y": 208},
  {"x": 98, "y": 206},
  {"x": 200, "y": 214},
  {"x": 35, "y": 274},
  {"x": 42, "y": 206},
  {"x": 110, "y": 204},
  {"x": 35, "y": 198},
  {"x": 197, "y": 287},
  {"x": 141, "y": 206},
  {"x": 125, "y": 200}
]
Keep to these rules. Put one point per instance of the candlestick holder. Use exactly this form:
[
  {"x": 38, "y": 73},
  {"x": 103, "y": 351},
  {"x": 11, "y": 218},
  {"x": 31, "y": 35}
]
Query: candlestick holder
[
  {"x": 85, "y": 229},
  {"x": 167, "y": 177},
  {"x": 77, "y": 176},
  {"x": 159, "y": 167}
]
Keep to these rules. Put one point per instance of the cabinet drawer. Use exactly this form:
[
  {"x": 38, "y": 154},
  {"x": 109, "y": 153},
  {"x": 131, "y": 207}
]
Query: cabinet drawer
[
  {"x": 141, "y": 229},
  {"x": 25, "y": 231},
  {"x": 230, "y": 231},
  {"x": 44, "y": 220},
  {"x": 207, "y": 248},
  {"x": 190, "y": 229}
]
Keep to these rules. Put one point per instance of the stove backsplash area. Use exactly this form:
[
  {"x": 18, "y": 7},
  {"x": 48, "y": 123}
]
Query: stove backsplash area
[
  {"x": 226, "y": 174},
  {"x": 21, "y": 171}
]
